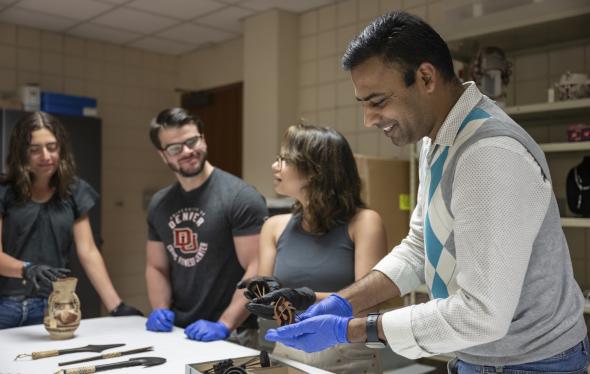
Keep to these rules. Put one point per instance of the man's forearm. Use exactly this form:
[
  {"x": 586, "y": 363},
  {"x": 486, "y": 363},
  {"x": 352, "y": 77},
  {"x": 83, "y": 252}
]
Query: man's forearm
[
  {"x": 158, "y": 287},
  {"x": 369, "y": 291}
]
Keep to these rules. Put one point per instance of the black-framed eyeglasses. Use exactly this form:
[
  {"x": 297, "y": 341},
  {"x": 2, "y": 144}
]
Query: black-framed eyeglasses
[
  {"x": 175, "y": 149},
  {"x": 36, "y": 149}
]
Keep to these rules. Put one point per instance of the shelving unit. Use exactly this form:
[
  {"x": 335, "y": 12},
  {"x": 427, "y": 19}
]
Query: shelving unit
[
  {"x": 575, "y": 222},
  {"x": 566, "y": 147},
  {"x": 556, "y": 110},
  {"x": 528, "y": 25}
]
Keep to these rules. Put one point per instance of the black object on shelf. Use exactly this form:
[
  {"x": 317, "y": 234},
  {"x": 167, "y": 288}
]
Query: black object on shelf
[{"x": 578, "y": 188}]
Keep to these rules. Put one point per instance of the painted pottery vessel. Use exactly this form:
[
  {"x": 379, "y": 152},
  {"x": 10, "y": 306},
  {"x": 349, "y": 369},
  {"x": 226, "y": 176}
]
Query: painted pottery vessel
[{"x": 62, "y": 316}]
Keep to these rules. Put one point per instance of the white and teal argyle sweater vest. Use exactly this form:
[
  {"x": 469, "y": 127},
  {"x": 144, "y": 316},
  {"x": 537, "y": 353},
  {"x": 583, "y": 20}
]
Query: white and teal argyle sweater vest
[
  {"x": 543, "y": 321},
  {"x": 440, "y": 268}
]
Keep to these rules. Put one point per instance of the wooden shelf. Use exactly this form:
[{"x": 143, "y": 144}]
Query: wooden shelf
[
  {"x": 575, "y": 222},
  {"x": 520, "y": 27},
  {"x": 549, "y": 110},
  {"x": 566, "y": 147}
]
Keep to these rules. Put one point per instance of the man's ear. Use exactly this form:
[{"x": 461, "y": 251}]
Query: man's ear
[
  {"x": 427, "y": 77},
  {"x": 163, "y": 156}
]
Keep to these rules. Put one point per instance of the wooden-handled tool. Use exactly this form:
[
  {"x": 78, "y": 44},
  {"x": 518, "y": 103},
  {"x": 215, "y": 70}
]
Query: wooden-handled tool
[
  {"x": 136, "y": 361},
  {"x": 58, "y": 352},
  {"x": 108, "y": 355}
]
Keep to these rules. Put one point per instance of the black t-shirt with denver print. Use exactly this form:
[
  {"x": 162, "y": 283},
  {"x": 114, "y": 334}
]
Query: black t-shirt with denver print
[{"x": 197, "y": 228}]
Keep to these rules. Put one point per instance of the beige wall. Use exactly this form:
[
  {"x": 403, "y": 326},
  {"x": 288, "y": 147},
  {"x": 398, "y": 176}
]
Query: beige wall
[
  {"x": 214, "y": 66},
  {"x": 270, "y": 47},
  {"x": 326, "y": 94},
  {"x": 131, "y": 86}
]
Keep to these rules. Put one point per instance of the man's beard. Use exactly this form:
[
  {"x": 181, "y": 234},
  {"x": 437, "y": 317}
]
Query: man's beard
[{"x": 192, "y": 173}]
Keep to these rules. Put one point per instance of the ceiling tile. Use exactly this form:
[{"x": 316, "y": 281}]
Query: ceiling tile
[
  {"x": 195, "y": 34},
  {"x": 293, "y": 6},
  {"x": 116, "y": 2},
  {"x": 303, "y": 5},
  {"x": 134, "y": 20},
  {"x": 227, "y": 18},
  {"x": 230, "y": 1},
  {"x": 35, "y": 19},
  {"x": 162, "y": 45},
  {"x": 104, "y": 33},
  {"x": 181, "y": 9},
  {"x": 76, "y": 9},
  {"x": 258, "y": 5}
]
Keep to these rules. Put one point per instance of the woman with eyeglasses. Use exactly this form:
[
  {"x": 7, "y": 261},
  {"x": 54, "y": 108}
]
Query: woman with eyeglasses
[
  {"x": 328, "y": 241},
  {"x": 43, "y": 213}
]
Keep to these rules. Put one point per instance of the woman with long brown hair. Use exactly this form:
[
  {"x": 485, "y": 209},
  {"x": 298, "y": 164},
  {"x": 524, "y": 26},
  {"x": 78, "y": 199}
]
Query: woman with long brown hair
[
  {"x": 329, "y": 241},
  {"x": 43, "y": 213}
]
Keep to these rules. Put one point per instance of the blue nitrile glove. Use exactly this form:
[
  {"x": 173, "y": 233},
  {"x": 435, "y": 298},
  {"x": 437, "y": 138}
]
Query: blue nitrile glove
[
  {"x": 160, "y": 320},
  {"x": 312, "y": 335},
  {"x": 333, "y": 304},
  {"x": 206, "y": 331}
]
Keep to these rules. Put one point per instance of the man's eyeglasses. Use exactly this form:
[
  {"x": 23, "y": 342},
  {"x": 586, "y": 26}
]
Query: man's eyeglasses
[
  {"x": 36, "y": 149},
  {"x": 175, "y": 149}
]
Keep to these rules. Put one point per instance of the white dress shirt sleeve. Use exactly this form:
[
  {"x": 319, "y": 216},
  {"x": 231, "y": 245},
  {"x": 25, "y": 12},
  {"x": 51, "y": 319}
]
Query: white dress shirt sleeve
[{"x": 404, "y": 265}]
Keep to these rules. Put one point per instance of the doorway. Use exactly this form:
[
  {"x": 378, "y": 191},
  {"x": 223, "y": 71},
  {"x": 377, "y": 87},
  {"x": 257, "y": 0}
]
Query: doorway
[{"x": 220, "y": 109}]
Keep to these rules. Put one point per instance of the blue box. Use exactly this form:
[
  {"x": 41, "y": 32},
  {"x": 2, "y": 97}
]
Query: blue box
[
  {"x": 56, "y": 103},
  {"x": 54, "y": 98},
  {"x": 67, "y": 110}
]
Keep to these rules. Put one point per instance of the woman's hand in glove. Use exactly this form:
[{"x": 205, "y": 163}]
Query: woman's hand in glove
[
  {"x": 258, "y": 286},
  {"x": 42, "y": 275}
]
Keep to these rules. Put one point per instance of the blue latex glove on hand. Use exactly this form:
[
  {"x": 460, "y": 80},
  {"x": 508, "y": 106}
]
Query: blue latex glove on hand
[
  {"x": 312, "y": 335},
  {"x": 206, "y": 331},
  {"x": 333, "y": 304},
  {"x": 160, "y": 320}
]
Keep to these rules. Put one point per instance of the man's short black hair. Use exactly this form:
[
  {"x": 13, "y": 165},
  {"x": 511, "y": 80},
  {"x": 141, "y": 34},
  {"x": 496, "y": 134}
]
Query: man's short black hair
[
  {"x": 174, "y": 117},
  {"x": 404, "y": 39}
]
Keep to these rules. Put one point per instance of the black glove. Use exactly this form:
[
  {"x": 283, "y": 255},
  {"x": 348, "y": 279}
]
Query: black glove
[
  {"x": 42, "y": 275},
  {"x": 300, "y": 298},
  {"x": 125, "y": 310},
  {"x": 258, "y": 286}
]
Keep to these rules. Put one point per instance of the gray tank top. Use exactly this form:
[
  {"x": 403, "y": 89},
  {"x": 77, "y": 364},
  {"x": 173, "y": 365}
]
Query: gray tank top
[{"x": 324, "y": 263}]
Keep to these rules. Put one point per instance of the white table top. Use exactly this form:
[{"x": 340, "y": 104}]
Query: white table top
[{"x": 173, "y": 346}]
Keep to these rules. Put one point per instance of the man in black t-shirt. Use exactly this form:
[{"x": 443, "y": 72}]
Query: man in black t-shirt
[{"x": 203, "y": 237}]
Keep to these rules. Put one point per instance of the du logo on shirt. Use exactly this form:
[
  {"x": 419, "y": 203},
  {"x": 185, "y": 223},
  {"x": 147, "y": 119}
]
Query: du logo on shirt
[{"x": 186, "y": 250}]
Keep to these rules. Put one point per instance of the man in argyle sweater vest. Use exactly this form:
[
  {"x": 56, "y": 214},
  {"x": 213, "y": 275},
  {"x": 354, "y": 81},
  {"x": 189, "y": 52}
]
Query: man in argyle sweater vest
[{"x": 485, "y": 236}]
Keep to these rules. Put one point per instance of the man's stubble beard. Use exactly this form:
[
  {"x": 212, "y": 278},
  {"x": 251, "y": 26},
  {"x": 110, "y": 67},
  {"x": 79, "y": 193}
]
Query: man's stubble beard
[{"x": 193, "y": 173}]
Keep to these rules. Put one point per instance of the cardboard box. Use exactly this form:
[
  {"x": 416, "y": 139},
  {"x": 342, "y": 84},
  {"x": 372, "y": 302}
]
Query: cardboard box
[{"x": 386, "y": 186}]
